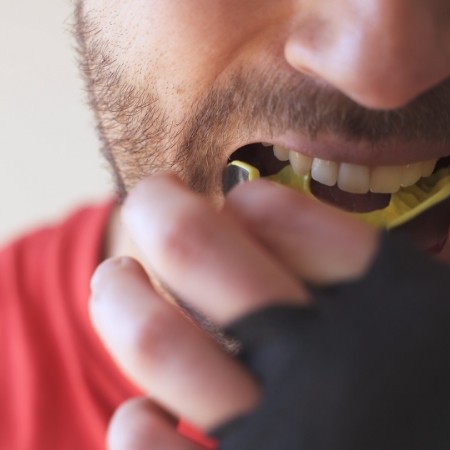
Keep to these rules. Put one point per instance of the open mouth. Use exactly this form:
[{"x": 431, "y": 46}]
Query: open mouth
[{"x": 386, "y": 196}]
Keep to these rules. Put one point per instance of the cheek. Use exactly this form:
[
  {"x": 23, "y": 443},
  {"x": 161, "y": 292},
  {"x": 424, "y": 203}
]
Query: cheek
[{"x": 179, "y": 46}]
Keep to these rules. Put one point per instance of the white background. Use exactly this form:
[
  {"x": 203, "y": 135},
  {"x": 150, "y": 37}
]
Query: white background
[{"x": 49, "y": 157}]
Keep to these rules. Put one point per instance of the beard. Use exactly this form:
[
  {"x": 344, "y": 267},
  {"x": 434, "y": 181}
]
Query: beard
[{"x": 140, "y": 138}]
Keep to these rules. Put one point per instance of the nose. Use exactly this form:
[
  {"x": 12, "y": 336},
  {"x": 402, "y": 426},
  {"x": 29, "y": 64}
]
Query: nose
[{"x": 380, "y": 53}]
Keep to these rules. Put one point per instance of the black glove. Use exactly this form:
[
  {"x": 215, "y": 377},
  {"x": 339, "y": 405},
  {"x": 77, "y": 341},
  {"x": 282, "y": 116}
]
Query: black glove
[{"x": 366, "y": 368}]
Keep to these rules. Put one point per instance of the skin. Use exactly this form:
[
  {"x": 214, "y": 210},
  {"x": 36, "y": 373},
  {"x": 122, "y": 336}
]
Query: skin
[
  {"x": 165, "y": 354},
  {"x": 174, "y": 88},
  {"x": 161, "y": 75}
]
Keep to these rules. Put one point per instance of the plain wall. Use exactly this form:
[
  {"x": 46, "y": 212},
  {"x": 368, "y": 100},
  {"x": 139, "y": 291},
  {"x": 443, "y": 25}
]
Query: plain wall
[{"x": 49, "y": 157}]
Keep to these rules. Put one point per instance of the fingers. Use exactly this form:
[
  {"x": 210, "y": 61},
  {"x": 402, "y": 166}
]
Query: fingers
[
  {"x": 203, "y": 256},
  {"x": 320, "y": 243},
  {"x": 141, "y": 425},
  {"x": 226, "y": 264},
  {"x": 164, "y": 353}
]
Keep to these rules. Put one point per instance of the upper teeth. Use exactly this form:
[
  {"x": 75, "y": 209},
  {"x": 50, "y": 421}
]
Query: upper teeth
[{"x": 354, "y": 178}]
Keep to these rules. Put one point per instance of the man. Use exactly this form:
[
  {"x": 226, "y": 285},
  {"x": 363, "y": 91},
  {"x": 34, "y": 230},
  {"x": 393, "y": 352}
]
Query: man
[{"x": 341, "y": 331}]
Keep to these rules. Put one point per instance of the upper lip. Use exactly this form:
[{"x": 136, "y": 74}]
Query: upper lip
[{"x": 335, "y": 148}]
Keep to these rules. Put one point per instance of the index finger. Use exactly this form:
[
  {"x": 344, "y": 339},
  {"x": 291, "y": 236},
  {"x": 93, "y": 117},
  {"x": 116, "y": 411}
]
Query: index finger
[{"x": 204, "y": 257}]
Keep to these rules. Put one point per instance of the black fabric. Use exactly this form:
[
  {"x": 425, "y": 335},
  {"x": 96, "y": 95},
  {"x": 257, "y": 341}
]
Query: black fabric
[{"x": 366, "y": 368}]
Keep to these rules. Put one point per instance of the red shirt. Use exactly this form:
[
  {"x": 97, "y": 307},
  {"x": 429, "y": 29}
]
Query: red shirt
[{"x": 58, "y": 385}]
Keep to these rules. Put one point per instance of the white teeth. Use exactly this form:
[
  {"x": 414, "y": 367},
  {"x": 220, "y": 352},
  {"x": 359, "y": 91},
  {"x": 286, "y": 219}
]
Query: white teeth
[
  {"x": 325, "y": 172},
  {"x": 301, "y": 164},
  {"x": 428, "y": 167},
  {"x": 266, "y": 144},
  {"x": 385, "y": 179},
  {"x": 411, "y": 174},
  {"x": 281, "y": 153},
  {"x": 354, "y": 178}
]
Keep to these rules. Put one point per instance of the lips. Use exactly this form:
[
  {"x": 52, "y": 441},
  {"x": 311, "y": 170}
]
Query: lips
[
  {"x": 378, "y": 191},
  {"x": 350, "y": 186}
]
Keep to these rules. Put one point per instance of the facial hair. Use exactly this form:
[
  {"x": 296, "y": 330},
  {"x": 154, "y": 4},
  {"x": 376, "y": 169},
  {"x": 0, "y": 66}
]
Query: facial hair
[{"x": 140, "y": 138}]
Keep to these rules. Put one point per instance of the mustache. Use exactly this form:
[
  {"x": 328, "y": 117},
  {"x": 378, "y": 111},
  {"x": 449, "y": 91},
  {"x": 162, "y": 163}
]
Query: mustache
[{"x": 281, "y": 100}]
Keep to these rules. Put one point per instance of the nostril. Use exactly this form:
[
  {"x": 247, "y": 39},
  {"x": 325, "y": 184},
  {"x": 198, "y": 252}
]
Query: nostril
[
  {"x": 304, "y": 69},
  {"x": 380, "y": 55},
  {"x": 374, "y": 82}
]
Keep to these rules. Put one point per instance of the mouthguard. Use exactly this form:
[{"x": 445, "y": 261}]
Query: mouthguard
[{"x": 405, "y": 204}]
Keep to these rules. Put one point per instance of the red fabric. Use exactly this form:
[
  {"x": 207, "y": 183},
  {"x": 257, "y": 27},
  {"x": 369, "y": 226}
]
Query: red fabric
[
  {"x": 195, "y": 435},
  {"x": 58, "y": 386}
]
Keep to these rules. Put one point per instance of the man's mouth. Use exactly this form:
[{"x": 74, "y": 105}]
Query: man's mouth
[{"x": 388, "y": 196}]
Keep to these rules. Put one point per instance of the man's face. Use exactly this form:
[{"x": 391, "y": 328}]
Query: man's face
[{"x": 351, "y": 88}]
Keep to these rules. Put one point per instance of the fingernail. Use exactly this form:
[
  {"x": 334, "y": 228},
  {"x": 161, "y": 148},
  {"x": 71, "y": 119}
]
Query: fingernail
[{"x": 104, "y": 269}]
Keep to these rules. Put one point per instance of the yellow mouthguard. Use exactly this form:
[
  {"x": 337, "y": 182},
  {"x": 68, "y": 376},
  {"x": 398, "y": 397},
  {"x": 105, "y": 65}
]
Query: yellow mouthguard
[{"x": 405, "y": 204}]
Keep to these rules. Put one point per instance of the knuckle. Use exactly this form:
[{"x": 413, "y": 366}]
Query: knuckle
[
  {"x": 183, "y": 237},
  {"x": 152, "y": 339}
]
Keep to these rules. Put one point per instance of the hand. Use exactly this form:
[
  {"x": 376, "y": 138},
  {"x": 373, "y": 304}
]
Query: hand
[{"x": 259, "y": 251}]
